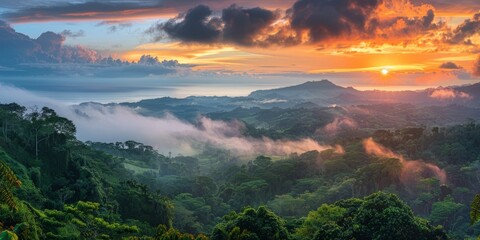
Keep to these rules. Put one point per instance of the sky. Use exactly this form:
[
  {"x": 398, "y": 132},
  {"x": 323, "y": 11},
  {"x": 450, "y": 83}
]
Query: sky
[{"x": 128, "y": 47}]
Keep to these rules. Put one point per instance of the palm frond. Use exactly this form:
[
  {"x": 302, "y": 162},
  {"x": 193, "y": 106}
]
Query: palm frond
[
  {"x": 475, "y": 210},
  {"x": 7, "y": 176},
  {"x": 6, "y": 196},
  {"x": 8, "y": 180}
]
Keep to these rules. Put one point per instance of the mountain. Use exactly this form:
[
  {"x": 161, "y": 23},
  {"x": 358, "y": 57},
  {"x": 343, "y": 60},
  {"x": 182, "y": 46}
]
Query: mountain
[
  {"x": 313, "y": 94},
  {"x": 313, "y": 90},
  {"x": 473, "y": 90},
  {"x": 325, "y": 93}
]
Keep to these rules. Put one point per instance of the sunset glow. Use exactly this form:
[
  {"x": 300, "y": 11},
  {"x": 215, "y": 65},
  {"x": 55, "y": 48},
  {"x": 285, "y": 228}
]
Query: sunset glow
[
  {"x": 385, "y": 72},
  {"x": 426, "y": 43}
]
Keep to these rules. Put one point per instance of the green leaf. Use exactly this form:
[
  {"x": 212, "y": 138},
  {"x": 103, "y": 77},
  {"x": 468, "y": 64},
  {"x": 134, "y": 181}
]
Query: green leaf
[
  {"x": 475, "y": 210},
  {"x": 8, "y": 235}
]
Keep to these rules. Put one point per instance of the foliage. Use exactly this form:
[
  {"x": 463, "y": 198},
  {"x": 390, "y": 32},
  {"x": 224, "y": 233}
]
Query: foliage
[
  {"x": 251, "y": 223},
  {"x": 475, "y": 210},
  {"x": 378, "y": 216},
  {"x": 8, "y": 180},
  {"x": 127, "y": 190}
]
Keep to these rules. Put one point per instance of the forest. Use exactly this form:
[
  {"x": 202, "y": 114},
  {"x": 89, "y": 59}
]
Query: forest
[{"x": 413, "y": 182}]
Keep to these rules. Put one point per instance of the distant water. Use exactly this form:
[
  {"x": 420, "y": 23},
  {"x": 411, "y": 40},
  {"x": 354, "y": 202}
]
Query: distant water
[
  {"x": 74, "y": 97},
  {"x": 107, "y": 91}
]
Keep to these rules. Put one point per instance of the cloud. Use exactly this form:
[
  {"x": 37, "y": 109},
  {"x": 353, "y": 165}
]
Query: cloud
[
  {"x": 55, "y": 10},
  {"x": 463, "y": 32},
  {"x": 48, "y": 56},
  {"x": 115, "y": 25},
  {"x": 236, "y": 25},
  {"x": 243, "y": 25},
  {"x": 196, "y": 26},
  {"x": 102, "y": 68},
  {"x": 448, "y": 94},
  {"x": 80, "y": 11},
  {"x": 307, "y": 22},
  {"x": 18, "y": 48},
  {"x": 69, "y": 33},
  {"x": 149, "y": 60},
  {"x": 323, "y": 19},
  {"x": 97, "y": 122},
  {"x": 450, "y": 65},
  {"x": 412, "y": 170},
  {"x": 453, "y": 7}
]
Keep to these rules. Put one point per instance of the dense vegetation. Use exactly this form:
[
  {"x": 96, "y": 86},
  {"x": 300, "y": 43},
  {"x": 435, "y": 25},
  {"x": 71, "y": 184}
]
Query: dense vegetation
[{"x": 56, "y": 187}]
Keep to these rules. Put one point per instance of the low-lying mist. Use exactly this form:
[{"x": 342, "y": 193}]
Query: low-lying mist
[
  {"x": 102, "y": 123},
  {"x": 411, "y": 169},
  {"x": 170, "y": 134}
]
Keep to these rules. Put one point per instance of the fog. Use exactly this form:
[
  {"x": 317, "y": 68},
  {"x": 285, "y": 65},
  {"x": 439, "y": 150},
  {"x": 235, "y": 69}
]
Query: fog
[
  {"x": 411, "y": 169},
  {"x": 101, "y": 123},
  {"x": 340, "y": 123},
  {"x": 449, "y": 94}
]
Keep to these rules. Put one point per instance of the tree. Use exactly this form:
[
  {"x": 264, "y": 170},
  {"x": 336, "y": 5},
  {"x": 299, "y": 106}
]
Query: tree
[
  {"x": 447, "y": 213},
  {"x": 378, "y": 216},
  {"x": 385, "y": 216},
  {"x": 251, "y": 223},
  {"x": 174, "y": 234},
  {"x": 10, "y": 115},
  {"x": 323, "y": 222},
  {"x": 47, "y": 123},
  {"x": 137, "y": 201},
  {"x": 86, "y": 217}
]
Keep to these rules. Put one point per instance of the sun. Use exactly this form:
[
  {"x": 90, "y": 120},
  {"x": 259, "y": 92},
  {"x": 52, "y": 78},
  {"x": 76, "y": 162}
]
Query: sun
[{"x": 384, "y": 71}]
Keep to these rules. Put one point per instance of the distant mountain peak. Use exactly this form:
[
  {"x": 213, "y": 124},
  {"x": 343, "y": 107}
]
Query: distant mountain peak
[
  {"x": 324, "y": 84},
  {"x": 322, "y": 89}
]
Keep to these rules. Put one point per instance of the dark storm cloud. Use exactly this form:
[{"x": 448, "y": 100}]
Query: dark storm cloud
[
  {"x": 236, "y": 25},
  {"x": 317, "y": 20},
  {"x": 404, "y": 27},
  {"x": 242, "y": 25},
  {"x": 450, "y": 65},
  {"x": 463, "y": 32},
  {"x": 196, "y": 26},
  {"x": 428, "y": 19},
  {"x": 325, "y": 19}
]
